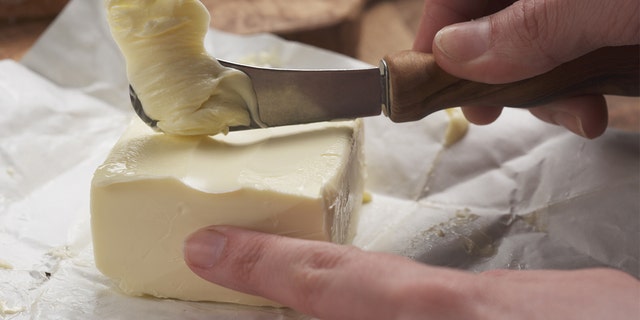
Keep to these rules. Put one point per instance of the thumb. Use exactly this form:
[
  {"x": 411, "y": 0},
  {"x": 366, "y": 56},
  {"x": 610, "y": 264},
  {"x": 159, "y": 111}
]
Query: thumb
[{"x": 531, "y": 37}]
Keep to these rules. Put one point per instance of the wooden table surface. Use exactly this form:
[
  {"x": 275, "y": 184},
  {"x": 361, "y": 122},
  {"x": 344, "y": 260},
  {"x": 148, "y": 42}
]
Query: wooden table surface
[{"x": 366, "y": 30}]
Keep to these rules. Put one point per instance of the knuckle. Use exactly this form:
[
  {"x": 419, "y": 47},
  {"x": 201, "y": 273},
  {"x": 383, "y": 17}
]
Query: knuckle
[
  {"x": 623, "y": 24},
  {"x": 315, "y": 273},
  {"x": 534, "y": 24},
  {"x": 435, "y": 295},
  {"x": 421, "y": 296},
  {"x": 534, "y": 20},
  {"x": 246, "y": 265}
]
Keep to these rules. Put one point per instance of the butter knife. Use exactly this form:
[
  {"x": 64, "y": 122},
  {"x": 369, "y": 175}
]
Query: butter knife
[{"x": 409, "y": 85}]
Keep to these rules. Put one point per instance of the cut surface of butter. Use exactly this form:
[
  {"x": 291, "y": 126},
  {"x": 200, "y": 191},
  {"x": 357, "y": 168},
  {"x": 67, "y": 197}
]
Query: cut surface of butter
[
  {"x": 178, "y": 83},
  {"x": 154, "y": 190}
]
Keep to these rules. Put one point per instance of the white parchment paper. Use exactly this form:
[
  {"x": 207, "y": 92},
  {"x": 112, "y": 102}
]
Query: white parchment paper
[{"x": 517, "y": 194}]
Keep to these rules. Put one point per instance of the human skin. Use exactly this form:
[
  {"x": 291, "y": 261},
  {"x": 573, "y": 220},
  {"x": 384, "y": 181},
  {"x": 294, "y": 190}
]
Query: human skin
[
  {"x": 510, "y": 41},
  {"x": 331, "y": 281},
  {"x": 334, "y": 282}
]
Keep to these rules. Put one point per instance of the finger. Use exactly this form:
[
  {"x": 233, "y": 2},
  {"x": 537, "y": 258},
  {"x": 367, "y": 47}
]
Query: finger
[
  {"x": 481, "y": 115},
  {"x": 553, "y": 294},
  {"x": 585, "y": 116},
  {"x": 531, "y": 37},
  {"x": 440, "y": 13},
  {"x": 323, "y": 279}
]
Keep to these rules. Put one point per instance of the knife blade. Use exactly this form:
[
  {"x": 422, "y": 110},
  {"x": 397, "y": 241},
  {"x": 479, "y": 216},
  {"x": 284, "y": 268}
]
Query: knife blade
[{"x": 298, "y": 96}]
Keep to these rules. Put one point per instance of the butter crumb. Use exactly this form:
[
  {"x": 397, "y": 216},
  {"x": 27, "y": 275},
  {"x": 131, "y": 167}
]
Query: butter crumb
[
  {"x": 457, "y": 128},
  {"x": 367, "y": 197},
  {"x": 5, "y": 310},
  {"x": 262, "y": 59},
  {"x": 5, "y": 265},
  {"x": 63, "y": 252}
]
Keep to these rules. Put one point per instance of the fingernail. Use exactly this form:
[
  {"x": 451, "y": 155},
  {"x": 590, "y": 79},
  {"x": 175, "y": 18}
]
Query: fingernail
[
  {"x": 465, "y": 41},
  {"x": 204, "y": 248},
  {"x": 569, "y": 121}
]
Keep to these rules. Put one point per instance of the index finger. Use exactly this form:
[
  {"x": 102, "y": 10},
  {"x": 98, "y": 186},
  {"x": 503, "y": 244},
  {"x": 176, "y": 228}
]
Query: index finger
[{"x": 323, "y": 279}]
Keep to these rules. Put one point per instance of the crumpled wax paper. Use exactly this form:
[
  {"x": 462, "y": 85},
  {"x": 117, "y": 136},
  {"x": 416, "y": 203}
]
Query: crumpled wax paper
[{"x": 517, "y": 194}]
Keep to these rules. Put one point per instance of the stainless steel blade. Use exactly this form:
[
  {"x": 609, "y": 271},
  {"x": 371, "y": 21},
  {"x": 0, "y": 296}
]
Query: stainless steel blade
[{"x": 302, "y": 96}]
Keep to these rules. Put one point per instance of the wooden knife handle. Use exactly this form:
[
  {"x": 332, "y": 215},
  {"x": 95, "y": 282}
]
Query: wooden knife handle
[{"x": 418, "y": 86}]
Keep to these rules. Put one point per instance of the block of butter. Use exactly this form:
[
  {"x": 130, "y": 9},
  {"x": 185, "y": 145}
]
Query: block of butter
[{"x": 154, "y": 190}]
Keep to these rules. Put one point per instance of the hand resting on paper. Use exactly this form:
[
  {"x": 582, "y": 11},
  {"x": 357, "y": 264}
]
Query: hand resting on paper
[
  {"x": 331, "y": 281},
  {"x": 515, "y": 40}
]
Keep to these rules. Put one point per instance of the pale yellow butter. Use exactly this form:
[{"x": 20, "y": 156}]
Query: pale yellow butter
[
  {"x": 457, "y": 128},
  {"x": 154, "y": 190},
  {"x": 181, "y": 86}
]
